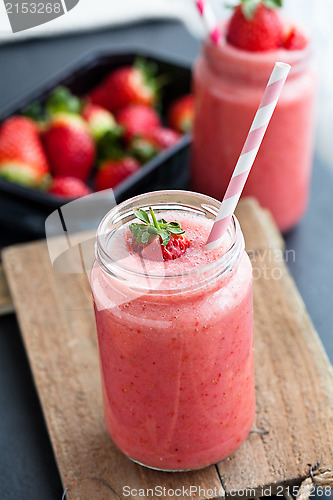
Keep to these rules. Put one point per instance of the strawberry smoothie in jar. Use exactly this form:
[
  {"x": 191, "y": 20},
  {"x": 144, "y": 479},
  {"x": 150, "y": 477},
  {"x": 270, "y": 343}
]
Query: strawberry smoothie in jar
[
  {"x": 229, "y": 81},
  {"x": 175, "y": 332}
]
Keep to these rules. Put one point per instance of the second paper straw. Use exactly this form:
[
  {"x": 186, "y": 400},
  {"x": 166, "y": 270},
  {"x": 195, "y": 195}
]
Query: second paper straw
[
  {"x": 249, "y": 153},
  {"x": 210, "y": 20}
]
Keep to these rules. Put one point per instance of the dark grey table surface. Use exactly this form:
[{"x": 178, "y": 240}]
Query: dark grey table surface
[{"x": 27, "y": 466}]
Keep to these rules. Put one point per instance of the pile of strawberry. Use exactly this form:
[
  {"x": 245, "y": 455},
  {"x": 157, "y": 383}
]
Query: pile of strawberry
[
  {"x": 101, "y": 139},
  {"x": 256, "y": 26}
]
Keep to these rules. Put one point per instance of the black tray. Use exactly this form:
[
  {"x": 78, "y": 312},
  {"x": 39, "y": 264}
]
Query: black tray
[{"x": 25, "y": 209}]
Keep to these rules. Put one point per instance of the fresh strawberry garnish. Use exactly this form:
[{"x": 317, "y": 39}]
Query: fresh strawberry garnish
[
  {"x": 69, "y": 146},
  {"x": 137, "y": 119},
  {"x": 100, "y": 121},
  {"x": 68, "y": 187},
  {"x": 295, "y": 40},
  {"x": 128, "y": 85},
  {"x": 112, "y": 172},
  {"x": 22, "y": 157},
  {"x": 157, "y": 239},
  {"x": 181, "y": 114},
  {"x": 256, "y": 26},
  {"x": 146, "y": 146}
]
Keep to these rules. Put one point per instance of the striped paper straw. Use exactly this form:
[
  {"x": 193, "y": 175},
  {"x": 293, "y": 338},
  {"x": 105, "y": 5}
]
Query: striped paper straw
[
  {"x": 210, "y": 20},
  {"x": 249, "y": 153}
]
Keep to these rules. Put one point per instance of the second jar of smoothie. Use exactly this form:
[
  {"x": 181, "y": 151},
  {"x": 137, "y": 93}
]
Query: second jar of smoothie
[
  {"x": 175, "y": 336},
  {"x": 229, "y": 83}
]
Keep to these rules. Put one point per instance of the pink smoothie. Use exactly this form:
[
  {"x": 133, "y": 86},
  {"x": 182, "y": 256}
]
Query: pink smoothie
[
  {"x": 177, "y": 367},
  {"x": 228, "y": 84}
]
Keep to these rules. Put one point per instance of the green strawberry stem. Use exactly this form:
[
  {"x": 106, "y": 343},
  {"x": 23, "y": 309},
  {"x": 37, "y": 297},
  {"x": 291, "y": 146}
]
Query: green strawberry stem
[
  {"x": 154, "y": 81},
  {"x": 61, "y": 100},
  {"x": 143, "y": 232},
  {"x": 250, "y": 6},
  {"x": 153, "y": 216},
  {"x": 109, "y": 145},
  {"x": 34, "y": 111}
]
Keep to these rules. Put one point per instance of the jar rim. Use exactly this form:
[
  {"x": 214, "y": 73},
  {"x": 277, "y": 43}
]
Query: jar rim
[
  {"x": 207, "y": 205},
  {"x": 230, "y": 60}
]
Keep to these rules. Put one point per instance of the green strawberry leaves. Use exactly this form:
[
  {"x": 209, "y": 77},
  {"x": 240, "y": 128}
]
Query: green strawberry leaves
[
  {"x": 61, "y": 100},
  {"x": 109, "y": 145},
  {"x": 151, "y": 78},
  {"x": 143, "y": 232},
  {"x": 273, "y": 4},
  {"x": 142, "y": 150},
  {"x": 143, "y": 216},
  {"x": 34, "y": 111},
  {"x": 249, "y": 6}
]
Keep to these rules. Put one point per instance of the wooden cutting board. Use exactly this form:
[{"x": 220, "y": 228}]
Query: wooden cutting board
[{"x": 294, "y": 386}]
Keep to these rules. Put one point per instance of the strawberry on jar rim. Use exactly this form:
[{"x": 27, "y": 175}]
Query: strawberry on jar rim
[
  {"x": 256, "y": 26},
  {"x": 294, "y": 39},
  {"x": 69, "y": 146},
  {"x": 22, "y": 157}
]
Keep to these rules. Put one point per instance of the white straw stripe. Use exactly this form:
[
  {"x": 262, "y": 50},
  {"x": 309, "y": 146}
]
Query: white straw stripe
[
  {"x": 214, "y": 244},
  {"x": 209, "y": 17},
  {"x": 244, "y": 161},
  {"x": 280, "y": 71},
  {"x": 263, "y": 115},
  {"x": 228, "y": 206}
]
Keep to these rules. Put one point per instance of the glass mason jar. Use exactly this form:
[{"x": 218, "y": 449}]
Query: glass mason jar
[
  {"x": 228, "y": 85},
  {"x": 176, "y": 348}
]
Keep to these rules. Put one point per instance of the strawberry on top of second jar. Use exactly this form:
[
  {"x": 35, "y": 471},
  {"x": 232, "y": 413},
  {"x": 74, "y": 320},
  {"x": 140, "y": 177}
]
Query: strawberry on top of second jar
[
  {"x": 256, "y": 26},
  {"x": 159, "y": 239}
]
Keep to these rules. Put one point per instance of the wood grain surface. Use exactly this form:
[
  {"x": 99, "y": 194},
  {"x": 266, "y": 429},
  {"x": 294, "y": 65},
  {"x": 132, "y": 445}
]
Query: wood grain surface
[
  {"x": 293, "y": 379},
  {"x": 6, "y": 303}
]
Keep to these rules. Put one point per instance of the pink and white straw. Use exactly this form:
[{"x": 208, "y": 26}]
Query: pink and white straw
[
  {"x": 211, "y": 22},
  {"x": 249, "y": 153}
]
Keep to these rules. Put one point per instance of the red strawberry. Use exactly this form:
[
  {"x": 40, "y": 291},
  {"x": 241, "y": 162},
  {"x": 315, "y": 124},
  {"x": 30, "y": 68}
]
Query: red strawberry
[
  {"x": 112, "y": 172},
  {"x": 124, "y": 86},
  {"x": 295, "y": 40},
  {"x": 146, "y": 146},
  {"x": 258, "y": 31},
  {"x": 69, "y": 146},
  {"x": 157, "y": 240},
  {"x": 176, "y": 247},
  {"x": 154, "y": 250},
  {"x": 137, "y": 119},
  {"x": 99, "y": 120},
  {"x": 163, "y": 137},
  {"x": 22, "y": 158},
  {"x": 181, "y": 114},
  {"x": 69, "y": 187}
]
